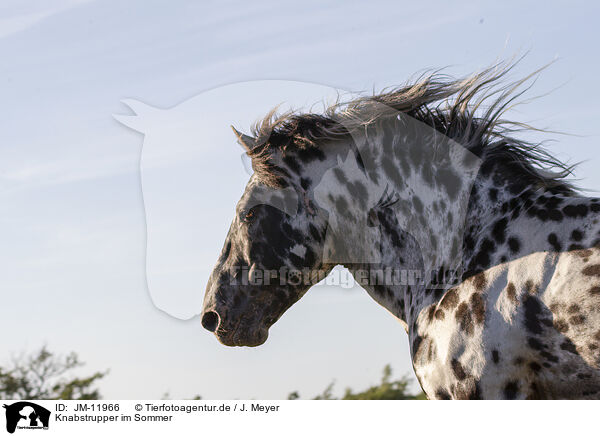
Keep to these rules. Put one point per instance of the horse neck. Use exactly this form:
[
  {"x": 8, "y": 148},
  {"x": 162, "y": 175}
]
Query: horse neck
[
  {"x": 420, "y": 201},
  {"x": 487, "y": 222}
]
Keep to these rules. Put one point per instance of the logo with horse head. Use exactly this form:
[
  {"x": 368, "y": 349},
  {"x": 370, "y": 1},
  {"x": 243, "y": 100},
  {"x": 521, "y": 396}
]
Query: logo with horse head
[{"x": 25, "y": 415}]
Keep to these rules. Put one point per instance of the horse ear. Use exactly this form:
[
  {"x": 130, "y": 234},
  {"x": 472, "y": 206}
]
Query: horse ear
[{"x": 248, "y": 142}]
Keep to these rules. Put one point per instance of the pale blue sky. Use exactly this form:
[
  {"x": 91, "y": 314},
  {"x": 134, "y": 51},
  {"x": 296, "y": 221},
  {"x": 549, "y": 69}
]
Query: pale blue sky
[{"x": 71, "y": 212}]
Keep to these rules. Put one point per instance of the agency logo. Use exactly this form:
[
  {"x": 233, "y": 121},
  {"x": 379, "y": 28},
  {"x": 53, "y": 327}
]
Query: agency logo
[{"x": 26, "y": 415}]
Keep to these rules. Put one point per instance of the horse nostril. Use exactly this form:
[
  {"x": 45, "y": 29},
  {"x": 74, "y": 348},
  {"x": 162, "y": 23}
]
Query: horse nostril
[{"x": 210, "y": 321}]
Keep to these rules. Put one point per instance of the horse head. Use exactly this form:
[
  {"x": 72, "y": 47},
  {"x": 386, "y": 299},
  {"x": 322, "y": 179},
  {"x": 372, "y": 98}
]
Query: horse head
[{"x": 271, "y": 252}]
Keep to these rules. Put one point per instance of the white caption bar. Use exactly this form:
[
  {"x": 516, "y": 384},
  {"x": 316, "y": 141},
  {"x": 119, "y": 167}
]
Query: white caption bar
[{"x": 296, "y": 417}]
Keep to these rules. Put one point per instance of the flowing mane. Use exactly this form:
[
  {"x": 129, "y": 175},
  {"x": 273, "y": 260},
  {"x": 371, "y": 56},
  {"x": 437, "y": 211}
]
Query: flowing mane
[{"x": 453, "y": 107}]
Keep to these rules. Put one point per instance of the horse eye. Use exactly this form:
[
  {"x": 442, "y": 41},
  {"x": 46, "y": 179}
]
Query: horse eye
[{"x": 249, "y": 216}]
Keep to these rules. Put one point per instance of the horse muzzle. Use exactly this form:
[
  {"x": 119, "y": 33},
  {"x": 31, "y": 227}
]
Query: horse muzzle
[{"x": 239, "y": 335}]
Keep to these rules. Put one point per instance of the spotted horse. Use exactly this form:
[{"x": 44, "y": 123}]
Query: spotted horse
[{"x": 503, "y": 296}]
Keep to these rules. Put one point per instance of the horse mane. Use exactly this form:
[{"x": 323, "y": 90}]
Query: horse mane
[{"x": 468, "y": 110}]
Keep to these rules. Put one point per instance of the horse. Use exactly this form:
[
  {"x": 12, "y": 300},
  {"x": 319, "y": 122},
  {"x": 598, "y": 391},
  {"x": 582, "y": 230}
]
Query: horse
[{"x": 472, "y": 237}]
